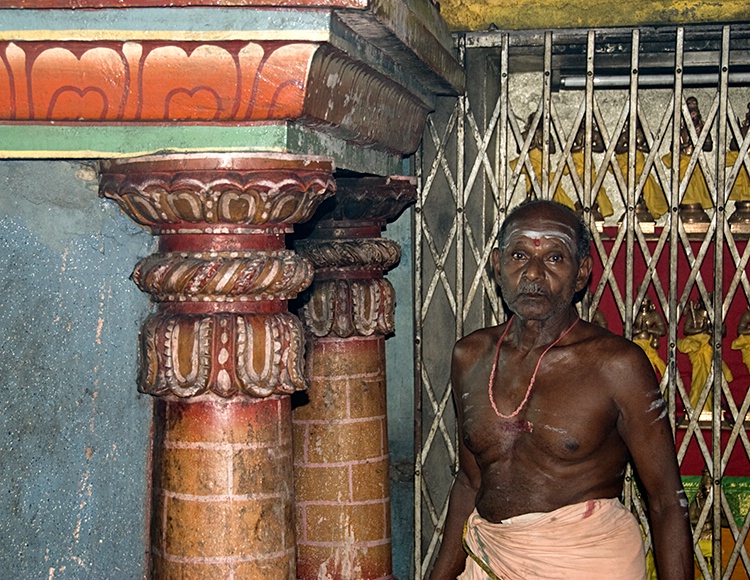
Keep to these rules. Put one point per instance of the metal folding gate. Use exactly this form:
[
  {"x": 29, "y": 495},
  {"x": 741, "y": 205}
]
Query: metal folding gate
[{"x": 631, "y": 115}]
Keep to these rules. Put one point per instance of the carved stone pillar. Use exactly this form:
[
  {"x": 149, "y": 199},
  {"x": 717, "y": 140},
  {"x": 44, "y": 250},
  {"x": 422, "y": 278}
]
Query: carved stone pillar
[
  {"x": 221, "y": 353},
  {"x": 341, "y": 434}
]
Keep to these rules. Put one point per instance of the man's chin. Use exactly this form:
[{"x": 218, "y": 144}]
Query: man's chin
[
  {"x": 535, "y": 307},
  {"x": 532, "y": 311}
]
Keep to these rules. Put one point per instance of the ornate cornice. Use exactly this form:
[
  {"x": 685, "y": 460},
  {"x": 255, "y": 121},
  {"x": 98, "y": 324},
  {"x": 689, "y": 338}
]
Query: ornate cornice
[
  {"x": 153, "y": 81},
  {"x": 362, "y": 106},
  {"x": 142, "y": 81},
  {"x": 204, "y": 190},
  {"x": 223, "y": 354}
]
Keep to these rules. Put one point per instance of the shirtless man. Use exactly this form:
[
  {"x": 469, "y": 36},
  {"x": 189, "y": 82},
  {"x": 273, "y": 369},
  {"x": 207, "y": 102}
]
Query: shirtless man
[{"x": 550, "y": 409}]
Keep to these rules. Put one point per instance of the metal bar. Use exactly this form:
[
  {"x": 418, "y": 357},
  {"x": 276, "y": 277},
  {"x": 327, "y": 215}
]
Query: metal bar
[
  {"x": 589, "y": 198},
  {"x": 504, "y": 201},
  {"x": 630, "y": 201},
  {"x": 629, "y": 219},
  {"x": 718, "y": 320},
  {"x": 651, "y": 80},
  {"x": 546, "y": 100},
  {"x": 673, "y": 313},
  {"x": 418, "y": 362},
  {"x": 463, "y": 103}
]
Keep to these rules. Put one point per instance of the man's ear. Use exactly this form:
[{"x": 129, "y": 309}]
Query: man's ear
[
  {"x": 584, "y": 272},
  {"x": 495, "y": 259}
]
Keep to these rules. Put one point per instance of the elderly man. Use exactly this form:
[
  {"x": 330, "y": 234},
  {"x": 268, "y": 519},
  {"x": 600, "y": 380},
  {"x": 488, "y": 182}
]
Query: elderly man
[{"x": 550, "y": 409}]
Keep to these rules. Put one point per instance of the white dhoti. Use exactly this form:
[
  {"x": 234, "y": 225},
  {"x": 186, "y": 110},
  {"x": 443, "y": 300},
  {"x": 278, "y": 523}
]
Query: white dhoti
[{"x": 592, "y": 540}]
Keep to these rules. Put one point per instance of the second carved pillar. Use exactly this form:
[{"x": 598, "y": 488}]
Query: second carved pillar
[{"x": 341, "y": 458}]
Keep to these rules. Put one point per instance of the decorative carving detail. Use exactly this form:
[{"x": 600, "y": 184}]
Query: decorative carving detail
[
  {"x": 197, "y": 196},
  {"x": 373, "y": 198},
  {"x": 375, "y": 254},
  {"x": 153, "y": 81},
  {"x": 223, "y": 276},
  {"x": 348, "y": 307},
  {"x": 362, "y": 105},
  {"x": 218, "y": 82},
  {"x": 224, "y": 354}
]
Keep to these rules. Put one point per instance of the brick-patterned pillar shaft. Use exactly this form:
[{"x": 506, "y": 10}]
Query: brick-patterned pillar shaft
[
  {"x": 222, "y": 353},
  {"x": 341, "y": 434}
]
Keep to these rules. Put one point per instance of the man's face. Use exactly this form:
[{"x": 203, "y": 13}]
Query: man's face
[{"x": 537, "y": 268}]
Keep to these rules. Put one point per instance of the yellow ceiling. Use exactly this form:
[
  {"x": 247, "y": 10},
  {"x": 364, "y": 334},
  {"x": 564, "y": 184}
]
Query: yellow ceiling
[{"x": 475, "y": 15}]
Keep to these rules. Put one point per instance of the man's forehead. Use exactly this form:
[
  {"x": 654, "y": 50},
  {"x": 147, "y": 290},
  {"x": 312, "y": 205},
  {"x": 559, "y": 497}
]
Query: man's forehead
[{"x": 541, "y": 228}]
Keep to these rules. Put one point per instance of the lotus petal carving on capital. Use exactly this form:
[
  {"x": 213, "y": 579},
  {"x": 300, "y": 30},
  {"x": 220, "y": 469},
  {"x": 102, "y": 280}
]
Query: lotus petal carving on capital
[
  {"x": 350, "y": 307},
  {"x": 198, "y": 198}
]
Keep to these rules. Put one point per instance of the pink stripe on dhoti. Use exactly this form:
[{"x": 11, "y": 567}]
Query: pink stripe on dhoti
[{"x": 592, "y": 540}]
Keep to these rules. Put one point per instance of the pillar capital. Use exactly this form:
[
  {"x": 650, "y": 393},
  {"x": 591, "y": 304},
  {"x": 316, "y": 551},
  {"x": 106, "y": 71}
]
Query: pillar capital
[
  {"x": 218, "y": 193},
  {"x": 222, "y": 275},
  {"x": 349, "y": 296},
  {"x": 375, "y": 199}
]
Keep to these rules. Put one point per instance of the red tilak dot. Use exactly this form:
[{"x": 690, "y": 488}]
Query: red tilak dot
[{"x": 537, "y": 241}]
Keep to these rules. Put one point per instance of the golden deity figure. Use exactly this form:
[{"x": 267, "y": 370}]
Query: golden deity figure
[
  {"x": 696, "y": 344},
  {"x": 652, "y": 194},
  {"x": 741, "y": 189},
  {"x": 740, "y": 193},
  {"x": 697, "y": 197},
  {"x": 602, "y": 206},
  {"x": 648, "y": 328},
  {"x": 742, "y": 342},
  {"x": 535, "y": 160},
  {"x": 599, "y": 319}
]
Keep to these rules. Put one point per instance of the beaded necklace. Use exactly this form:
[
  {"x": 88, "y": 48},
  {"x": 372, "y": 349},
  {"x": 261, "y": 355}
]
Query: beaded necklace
[{"x": 533, "y": 376}]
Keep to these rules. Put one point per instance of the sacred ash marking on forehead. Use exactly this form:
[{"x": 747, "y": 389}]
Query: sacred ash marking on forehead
[{"x": 556, "y": 231}]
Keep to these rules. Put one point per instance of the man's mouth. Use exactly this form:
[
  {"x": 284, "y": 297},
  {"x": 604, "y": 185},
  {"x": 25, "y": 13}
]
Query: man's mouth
[{"x": 533, "y": 290}]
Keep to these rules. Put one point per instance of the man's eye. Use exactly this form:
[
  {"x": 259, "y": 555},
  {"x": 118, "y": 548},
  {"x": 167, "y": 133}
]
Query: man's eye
[
  {"x": 518, "y": 255},
  {"x": 555, "y": 259}
]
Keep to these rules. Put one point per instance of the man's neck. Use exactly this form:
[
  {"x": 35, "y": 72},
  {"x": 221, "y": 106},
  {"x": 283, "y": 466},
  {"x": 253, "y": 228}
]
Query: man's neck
[{"x": 532, "y": 334}]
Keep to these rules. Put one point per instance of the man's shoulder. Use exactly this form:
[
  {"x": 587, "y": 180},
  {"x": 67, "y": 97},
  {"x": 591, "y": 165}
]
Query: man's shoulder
[
  {"x": 597, "y": 337},
  {"x": 469, "y": 349},
  {"x": 612, "y": 349},
  {"x": 620, "y": 358}
]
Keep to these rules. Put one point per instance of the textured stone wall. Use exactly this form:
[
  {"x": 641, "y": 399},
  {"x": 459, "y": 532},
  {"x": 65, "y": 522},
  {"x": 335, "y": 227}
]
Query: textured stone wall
[{"x": 74, "y": 432}]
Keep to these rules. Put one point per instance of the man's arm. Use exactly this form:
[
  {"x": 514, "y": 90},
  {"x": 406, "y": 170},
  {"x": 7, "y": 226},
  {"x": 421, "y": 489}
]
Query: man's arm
[
  {"x": 451, "y": 557},
  {"x": 644, "y": 427}
]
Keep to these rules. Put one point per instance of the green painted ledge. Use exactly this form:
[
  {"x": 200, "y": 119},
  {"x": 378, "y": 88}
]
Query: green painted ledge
[{"x": 59, "y": 141}]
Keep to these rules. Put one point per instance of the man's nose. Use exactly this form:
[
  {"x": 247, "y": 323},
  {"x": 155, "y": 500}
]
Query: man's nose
[{"x": 534, "y": 269}]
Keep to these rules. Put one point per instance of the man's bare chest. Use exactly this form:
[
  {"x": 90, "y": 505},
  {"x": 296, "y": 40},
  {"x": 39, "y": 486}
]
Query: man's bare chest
[{"x": 557, "y": 421}]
